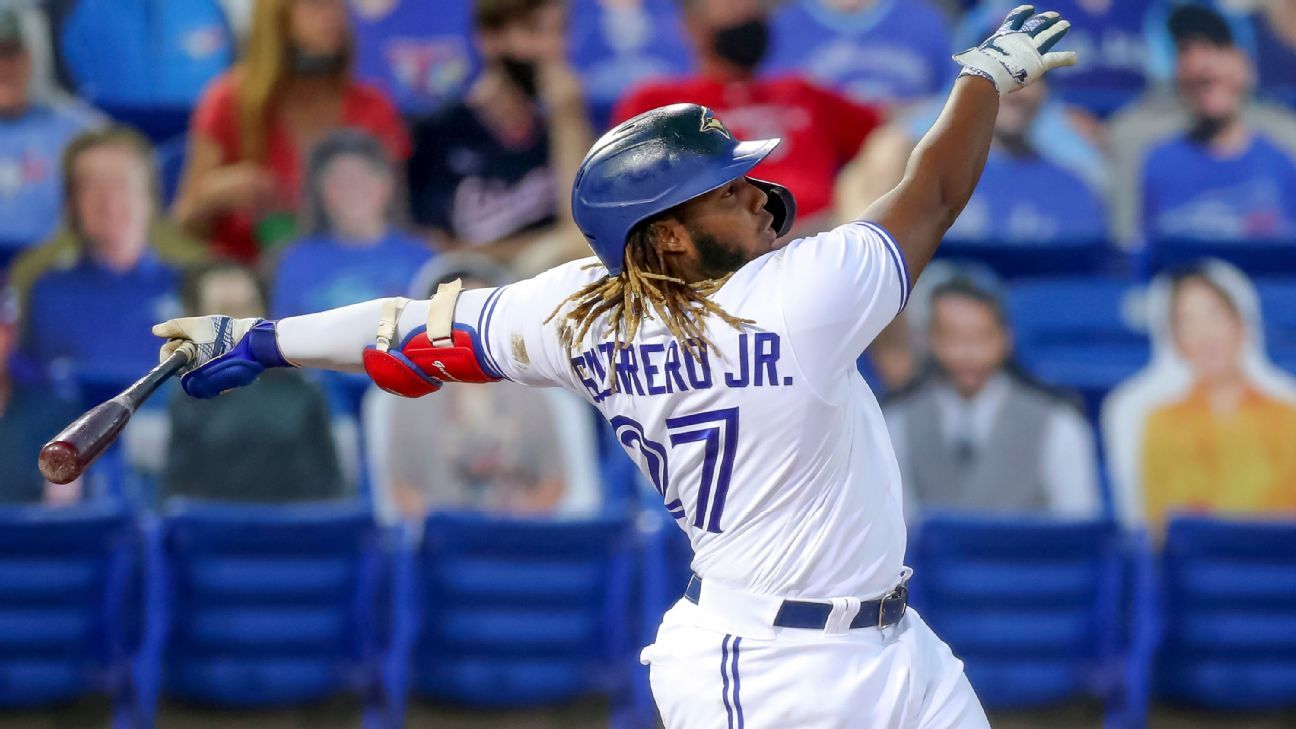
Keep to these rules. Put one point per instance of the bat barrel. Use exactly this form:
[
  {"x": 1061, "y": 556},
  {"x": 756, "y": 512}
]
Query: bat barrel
[
  {"x": 69, "y": 453},
  {"x": 59, "y": 463},
  {"x": 65, "y": 457}
]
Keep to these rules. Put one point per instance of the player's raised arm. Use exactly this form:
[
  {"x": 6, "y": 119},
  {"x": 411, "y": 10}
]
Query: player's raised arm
[{"x": 945, "y": 166}]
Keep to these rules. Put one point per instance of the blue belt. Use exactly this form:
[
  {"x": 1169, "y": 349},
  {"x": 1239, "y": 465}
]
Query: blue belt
[{"x": 814, "y": 615}]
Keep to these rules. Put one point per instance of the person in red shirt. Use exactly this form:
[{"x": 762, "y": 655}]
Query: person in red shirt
[
  {"x": 256, "y": 123},
  {"x": 821, "y": 130}
]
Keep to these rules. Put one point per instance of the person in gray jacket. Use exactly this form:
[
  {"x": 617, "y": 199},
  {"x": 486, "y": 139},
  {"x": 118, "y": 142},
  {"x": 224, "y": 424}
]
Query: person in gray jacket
[{"x": 976, "y": 434}]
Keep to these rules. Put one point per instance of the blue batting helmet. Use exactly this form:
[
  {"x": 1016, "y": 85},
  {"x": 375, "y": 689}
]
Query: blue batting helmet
[{"x": 655, "y": 161}]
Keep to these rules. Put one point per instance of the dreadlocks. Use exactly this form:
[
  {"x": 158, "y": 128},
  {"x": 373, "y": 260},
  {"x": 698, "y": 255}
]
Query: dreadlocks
[{"x": 644, "y": 288}]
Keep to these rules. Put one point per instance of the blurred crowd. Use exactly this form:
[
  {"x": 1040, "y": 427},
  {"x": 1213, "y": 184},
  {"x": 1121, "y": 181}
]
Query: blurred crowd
[{"x": 278, "y": 157}]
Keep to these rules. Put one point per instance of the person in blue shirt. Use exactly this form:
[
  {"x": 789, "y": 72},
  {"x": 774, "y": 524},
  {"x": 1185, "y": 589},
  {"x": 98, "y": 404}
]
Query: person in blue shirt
[
  {"x": 1222, "y": 180},
  {"x": 1023, "y": 197},
  {"x": 82, "y": 316},
  {"x": 1041, "y": 183},
  {"x": 352, "y": 251},
  {"x": 874, "y": 51},
  {"x": 33, "y": 134}
]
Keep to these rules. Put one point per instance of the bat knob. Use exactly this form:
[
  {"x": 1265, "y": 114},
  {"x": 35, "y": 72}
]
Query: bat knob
[{"x": 58, "y": 462}]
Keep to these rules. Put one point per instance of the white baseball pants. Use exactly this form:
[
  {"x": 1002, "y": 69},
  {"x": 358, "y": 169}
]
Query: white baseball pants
[{"x": 900, "y": 677}]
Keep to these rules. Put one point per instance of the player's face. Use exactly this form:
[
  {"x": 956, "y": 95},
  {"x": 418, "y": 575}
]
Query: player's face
[
  {"x": 726, "y": 228},
  {"x": 968, "y": 341},
  {"x": 1207, "y": 331}
]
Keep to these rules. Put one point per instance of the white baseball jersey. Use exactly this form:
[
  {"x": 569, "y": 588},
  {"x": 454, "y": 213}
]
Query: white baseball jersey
[{"x": 770, "y": 450}]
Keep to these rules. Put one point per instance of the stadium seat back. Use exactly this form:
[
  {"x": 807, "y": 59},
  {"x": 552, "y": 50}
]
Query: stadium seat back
[
  {"x": 1015, "y": 260},
  {"x": 519, "y": 612},
  {"x": 1229, "y": 612},
  {"x": 1029, "y": 604},
  {"x": 65, "y": 577},
  {"x": 1256, "y": 258},
  {"x": 268, "y": 605},
  {"x": 1079, "y": 332}
]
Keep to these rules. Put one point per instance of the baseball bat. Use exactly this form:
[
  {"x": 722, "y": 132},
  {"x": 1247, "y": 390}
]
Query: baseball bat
[{"x": 68, "y": 454}]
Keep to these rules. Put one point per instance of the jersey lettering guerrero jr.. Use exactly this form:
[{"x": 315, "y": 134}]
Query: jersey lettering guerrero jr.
[{"x": 769, "y": 451}]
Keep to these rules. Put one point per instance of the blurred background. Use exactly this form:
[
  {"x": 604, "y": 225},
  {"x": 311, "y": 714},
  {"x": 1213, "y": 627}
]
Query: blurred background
[{"x": 1091, "y": 392}]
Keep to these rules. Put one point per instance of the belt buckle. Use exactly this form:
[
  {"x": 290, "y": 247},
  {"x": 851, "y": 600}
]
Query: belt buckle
[{"x": 901, "y": 593}]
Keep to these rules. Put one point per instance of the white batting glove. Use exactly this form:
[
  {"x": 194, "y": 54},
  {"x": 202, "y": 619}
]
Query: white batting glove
[
  {"x": 213, "y": 336},
  {"x": 1019, "y": 52},
  {"x": 230, "y": 352}
]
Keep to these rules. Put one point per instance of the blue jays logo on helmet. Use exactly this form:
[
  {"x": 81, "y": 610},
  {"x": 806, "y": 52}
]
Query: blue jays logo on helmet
[
  {"x": 711, "y": 123},
  {"x": 655, "y": 161}
]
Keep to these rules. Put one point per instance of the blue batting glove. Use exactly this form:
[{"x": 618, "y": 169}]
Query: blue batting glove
[{"x": 231, "y": 352}]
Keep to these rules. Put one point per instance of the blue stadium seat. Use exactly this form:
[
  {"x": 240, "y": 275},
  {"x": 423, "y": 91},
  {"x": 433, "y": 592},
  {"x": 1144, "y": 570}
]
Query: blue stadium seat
[
  {"x": 1228, "y": 606},
  {"x": 1256, "y": 258},
  {"x": 514, "y": 613},
  {"x": 1031, "y": 605},
  {"x": 255, "y": 606},
  {"x": 1077, "y": 332},
  {"x": 1015, "y": 260},
  {"x": 1278, "y": 306},
  {"x": 65, "y": 578}
]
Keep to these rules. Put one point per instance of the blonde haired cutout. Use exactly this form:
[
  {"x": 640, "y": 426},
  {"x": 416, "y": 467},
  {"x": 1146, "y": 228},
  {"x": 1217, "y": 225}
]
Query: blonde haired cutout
[{"x": 263, "y": 73}]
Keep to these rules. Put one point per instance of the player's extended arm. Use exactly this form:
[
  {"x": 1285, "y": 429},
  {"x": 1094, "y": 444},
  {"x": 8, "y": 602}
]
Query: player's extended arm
[
  {"x": 945, "y": 166},
  {"x": 407, "y": 347}
]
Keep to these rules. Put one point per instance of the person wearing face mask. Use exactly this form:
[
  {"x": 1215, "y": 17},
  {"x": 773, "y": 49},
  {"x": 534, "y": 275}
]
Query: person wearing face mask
[
  {"x": 821, "y": 130},
  {"x": 1208, "y": 425},
  {"x": 492, "y": 171},
  {"x": 255, "y": 125},
  {"x": 352, "y": 249}
]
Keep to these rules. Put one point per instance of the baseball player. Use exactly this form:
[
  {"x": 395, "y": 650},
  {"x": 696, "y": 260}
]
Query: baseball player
[{"x": 725, "y": 364}]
